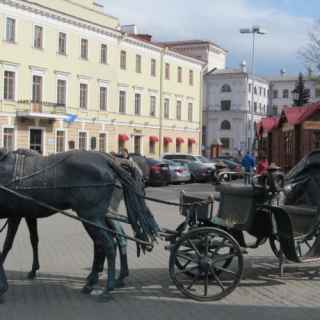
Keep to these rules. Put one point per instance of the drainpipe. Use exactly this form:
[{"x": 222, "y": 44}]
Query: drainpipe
[
  {"x": 201, "y": 108},
  {"x": 162, "y": 53}
]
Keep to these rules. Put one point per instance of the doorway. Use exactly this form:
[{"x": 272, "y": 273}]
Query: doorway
[{"x": 36, "y": 140}]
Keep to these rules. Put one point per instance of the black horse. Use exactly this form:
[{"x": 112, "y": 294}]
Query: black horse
[{"x": 78, "y": 180}]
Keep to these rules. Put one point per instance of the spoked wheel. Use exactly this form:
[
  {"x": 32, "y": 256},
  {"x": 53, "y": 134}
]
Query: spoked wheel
[
  {"x": 304, "y": 246},
  {"x": 200, "y": 264}
]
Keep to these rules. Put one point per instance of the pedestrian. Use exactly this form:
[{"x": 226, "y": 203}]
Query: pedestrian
[
  {"x": 125, "y": 154},
  {"x": 248, "y": 163},
  {"x": 263, "y": 165}
]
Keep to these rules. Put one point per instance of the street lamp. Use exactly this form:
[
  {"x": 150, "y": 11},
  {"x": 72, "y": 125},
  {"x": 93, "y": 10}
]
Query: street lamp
[{"x": 254, "y": 30}]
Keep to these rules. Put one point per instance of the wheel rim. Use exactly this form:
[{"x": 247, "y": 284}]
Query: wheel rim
[{"x": 207, "y": 273}]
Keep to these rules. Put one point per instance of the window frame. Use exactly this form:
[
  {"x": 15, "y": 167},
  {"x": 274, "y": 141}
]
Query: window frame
[
  {"x": 6, "y": 38},
  {"x": 60, "y": 52},
  {"x": 14, "y": 141},
  {"x": 191, "y": 77},
  {"x": 137, "y": 103},
  {"x": 104, "y": 107},
  {"x": 153, "y": 67},
  {"x": 65, "y": 92},
  {"x": 36, "y": 45},
  {"x": 65, "y": 144},
  {"x": 123, "y": 60},
  {"x": 153, "y": 105},
  {"x": 122, "y": 93},
  {"x": 167, "y": 71},
  {"x": 179, "y": 74},
  {"x": 166, "y": 108},
  {"x": 226, "y": 88},
  {"x": 86, "y": 100},
  {"x": 138, "y": 63},
  {"x": 104, "y": 53},
  {"x": 87, "y": 139},
  {"x": 179, "y": 110},
  {"x": 106, "y": 142},
  {"x": 190, "y": 111},
  {"x": 14, "y": 90},
  {"x": 223, "y": 108},
  {"x": 84, "y": 54},
  {"x": 34, "y": 89}
]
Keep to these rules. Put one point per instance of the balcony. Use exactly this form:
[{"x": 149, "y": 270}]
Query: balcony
[{"x": 40, "y": 110}]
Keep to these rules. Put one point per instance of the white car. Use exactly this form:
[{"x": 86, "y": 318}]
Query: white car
[{"x": 182, "y": 156}]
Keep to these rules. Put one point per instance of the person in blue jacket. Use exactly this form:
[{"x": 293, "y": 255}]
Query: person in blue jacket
[{"x": 248, "y": 163}]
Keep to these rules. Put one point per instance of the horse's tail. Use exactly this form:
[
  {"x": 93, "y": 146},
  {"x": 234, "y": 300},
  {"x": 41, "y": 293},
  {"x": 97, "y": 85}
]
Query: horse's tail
[{"x": 139, "y": 215}]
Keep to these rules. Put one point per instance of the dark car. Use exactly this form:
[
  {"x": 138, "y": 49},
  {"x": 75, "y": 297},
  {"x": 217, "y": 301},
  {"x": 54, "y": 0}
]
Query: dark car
[
  {"x": 199, "y": 172},
  {"x": 143, "y": 164},
  {"x": 159, "y": 173}
]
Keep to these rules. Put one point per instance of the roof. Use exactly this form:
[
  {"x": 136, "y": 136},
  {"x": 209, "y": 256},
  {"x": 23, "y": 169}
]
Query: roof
[
  {"x": 297, "y": 115},
  {"x": 236, "y": 71},
  {"x": 266, "y": 125},
  {"x": 286, "y": 78},
  {"x": 190, "y": 43}
]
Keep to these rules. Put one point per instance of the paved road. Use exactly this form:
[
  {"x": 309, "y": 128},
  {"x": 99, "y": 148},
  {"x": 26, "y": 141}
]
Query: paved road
[{"x": 66, "y": 253}]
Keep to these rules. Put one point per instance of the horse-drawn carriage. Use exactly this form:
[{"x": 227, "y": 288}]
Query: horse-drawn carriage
[{"x": 206, "y": 250}]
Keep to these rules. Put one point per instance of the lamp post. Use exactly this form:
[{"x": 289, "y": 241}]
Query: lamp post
[{"x": 254, "y": 30}]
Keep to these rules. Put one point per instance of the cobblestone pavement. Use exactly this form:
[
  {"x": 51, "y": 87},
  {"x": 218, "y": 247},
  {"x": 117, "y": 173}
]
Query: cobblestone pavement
[{"x": 65, "y": 257}]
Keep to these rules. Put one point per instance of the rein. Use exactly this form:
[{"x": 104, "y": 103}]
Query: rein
[{"x": 4, "y": 226}]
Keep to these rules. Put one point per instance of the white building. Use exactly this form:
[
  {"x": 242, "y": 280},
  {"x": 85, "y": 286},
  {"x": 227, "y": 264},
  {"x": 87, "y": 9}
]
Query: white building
[
  {"x": 227, "y": 108},
  {"x": 281, "y": 88}
]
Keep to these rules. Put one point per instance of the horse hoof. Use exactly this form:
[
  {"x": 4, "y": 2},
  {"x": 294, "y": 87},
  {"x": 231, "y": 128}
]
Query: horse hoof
[
  {"x": 87, "y": 289},
  {"x": 32, "y": 275},
  {"x": 105, "y": 296}
]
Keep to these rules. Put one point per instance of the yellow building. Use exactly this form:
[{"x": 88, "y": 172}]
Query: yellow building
[{"x": 70, "y": 77}]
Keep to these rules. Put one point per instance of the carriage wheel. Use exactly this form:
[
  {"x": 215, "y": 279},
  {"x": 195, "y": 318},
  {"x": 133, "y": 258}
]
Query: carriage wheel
[
  {"x": 304, "y": 246},
  {"x": 205, "y": 254}
]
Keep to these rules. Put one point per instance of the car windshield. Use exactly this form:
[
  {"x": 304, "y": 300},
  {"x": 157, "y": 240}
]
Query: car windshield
[{"x": 202, "y": 159}]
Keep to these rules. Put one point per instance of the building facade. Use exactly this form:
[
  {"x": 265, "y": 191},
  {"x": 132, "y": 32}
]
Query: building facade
[
  {"x": 281, "y": 88},
  {"x": 227, "y": 108},
  {"x": 71, "y": 79}
]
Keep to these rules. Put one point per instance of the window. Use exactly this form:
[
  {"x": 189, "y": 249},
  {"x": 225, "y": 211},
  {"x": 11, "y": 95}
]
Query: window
[
  {"x": 61, "y": 141},
  {"x": 190, "y": 112},
  {"x": 102, "y": 142},
  {"x": 179, "y": 74},
  {"x": 103, "y": 98},
  {"x": 191, "y": 78},
  {"x": 225, "y": 143},
  {"x": 8, "y": 139},
  {"x": 308, "y": 92},
  {"x": 225, "y": 105},
  {"x": 167, "y": 71},
  {"x": 285, "y": 94},
  {"x": 61, "y": 92},
  {"x": 83, "y": 96},
  {"x": 178, "y": 147},
  {"x": 179, "y": 107},
  {"x": 36, "y": 89},
  {"x": 138, "y": 63},
  {"x": 250, "y": 87},
  {"x": 153, "y": 102},
  {"x": 249, "y": 105},
  {"x": 104, "y": 54},
  {"x": 84, "y": 49},
  {"x": 123, "y": 60},
  {"x": 152, "y": 147},
  {"x": 274, "y": 110},
  {"x": 275, "y": 94},
  {"x": 122, "y": 101},
  {"x": 82, "y": 141},
  {"x": 11, "y": 30},
  {"x": 260, "y": 91},
  {"x": 62, "y": 43},
  {"x": 153, "y": 67},
  {"x": 226, "y": 88},
  {"x": 165, "y": 148},
  {"x": 93, "y": 143},
  {"x": 9, "y": 85},
  {"x": 255, "y": 107},
  {"x": 264, "y": 92},
  {"x": 137, "y": 104},
  {"x": 137, "y": 144},
  {"x": 255, "y": 90},
  {"x": 166, "y": 108},
  {"x": 260, "y": 108},
  {"x": 225, "y": 125},
  {"x": 38, "y": 37}
]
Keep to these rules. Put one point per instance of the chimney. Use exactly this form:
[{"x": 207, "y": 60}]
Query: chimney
[
  {"x": 130, "y": 29},
  {"x": 243, "y": 66},
  {"x": 282, "y": 72},
  {"x": 144, "y": 37}
]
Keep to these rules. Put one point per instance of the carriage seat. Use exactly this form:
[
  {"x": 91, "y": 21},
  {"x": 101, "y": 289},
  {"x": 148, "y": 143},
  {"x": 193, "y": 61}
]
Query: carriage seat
[
  {"x": 240, "y": 189},
  {"x": 303, "y": 218}
]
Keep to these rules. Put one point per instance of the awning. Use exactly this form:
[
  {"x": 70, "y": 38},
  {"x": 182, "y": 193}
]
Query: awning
[
  {"x": 123, "y": 137},
  {"x": 192, "y": 141},
  {"x": 180, "y": 140},
  {"x": 153, "y": 139},
  {"x": 167, "y": 140}
]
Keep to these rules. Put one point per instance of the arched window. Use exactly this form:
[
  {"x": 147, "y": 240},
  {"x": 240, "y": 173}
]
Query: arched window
[
  {"x": 225, "y": 125},
  {"x": 226, "y": 88}
]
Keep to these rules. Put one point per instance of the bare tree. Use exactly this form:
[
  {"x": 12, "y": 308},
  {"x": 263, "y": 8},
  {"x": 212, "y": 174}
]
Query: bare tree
[{"x": 311, "y": 52}]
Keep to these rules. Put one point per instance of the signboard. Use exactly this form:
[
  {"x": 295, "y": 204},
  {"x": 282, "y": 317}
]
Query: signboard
[{"x": 311, "y": 125}]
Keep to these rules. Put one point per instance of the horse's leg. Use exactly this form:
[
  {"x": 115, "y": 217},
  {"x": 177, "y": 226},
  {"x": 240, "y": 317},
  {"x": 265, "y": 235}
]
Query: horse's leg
[
  {"x": 97, "y": 267},
  {"x": 103, "y": 239},
  {"x": 3, "y": 278},
  {"x": 34, "y": 238},
  {"x": 13, "y": 224}
]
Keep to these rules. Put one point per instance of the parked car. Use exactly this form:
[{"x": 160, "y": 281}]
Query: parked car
[
  {"x": 179, "y": 172},
  {"x": 199, "y": 171},
  {"x": 159, "y": 172},
  {"x": 198, "y": 159},
  {"x": 143, "y": 164}
]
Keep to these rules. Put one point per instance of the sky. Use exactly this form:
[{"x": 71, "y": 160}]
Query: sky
[{"x": 287, "y": 22}]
